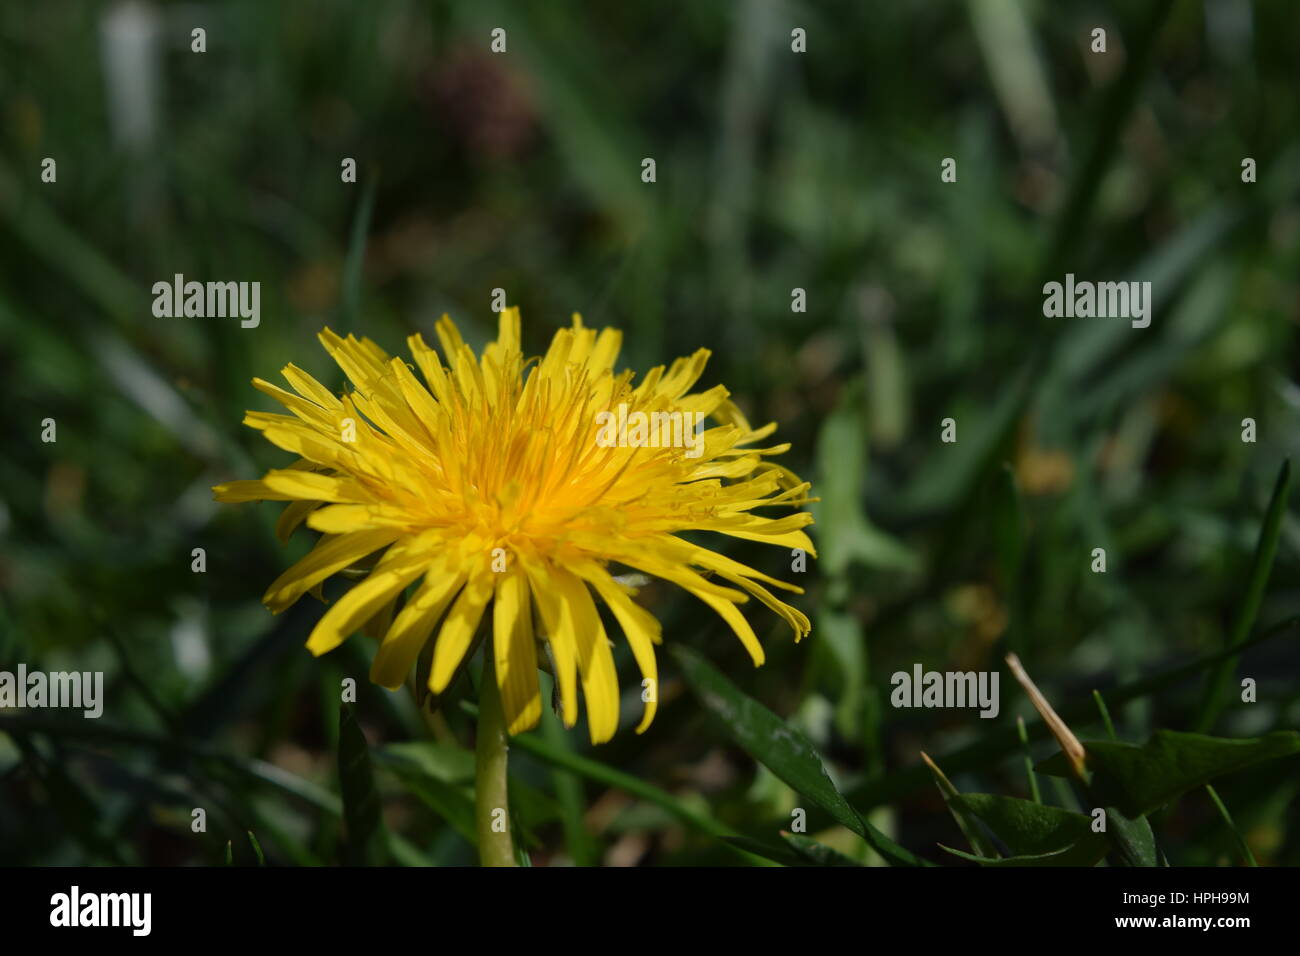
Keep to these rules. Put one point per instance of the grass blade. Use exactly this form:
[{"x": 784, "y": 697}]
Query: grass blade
[
  {"x": 360, "y": 797},
  {"x": 783, "y": 750},
  {"x": 1216, "y": 687}
]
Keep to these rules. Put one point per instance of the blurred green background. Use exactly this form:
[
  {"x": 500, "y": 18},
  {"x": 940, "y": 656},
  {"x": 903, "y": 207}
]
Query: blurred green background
[{"x": 776, "y": 170}]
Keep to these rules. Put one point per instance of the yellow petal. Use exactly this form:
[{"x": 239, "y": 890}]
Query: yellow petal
[
  {"x": 313, "y": 486},
  {"x": 238, "y": 492},
  {"x": 731, "y": 614},
  {"x": 578, "y": 617},
  {"x": 294, "y": 514},
  {"x": 309, "y": 388},
  {"x": 414, "y": 624},
  {"x": 514, "y": 652},
  {"x": 449, "y": 338},
  {"x": 343, "y": 519},
  {"x": 606, "y": 349},
  {"x": 508, "y": 329},
  {"x": 427, "y": 359},
  {"x": 328, "y": 557},
  {"x": 563, "y": 650},
  {"x": 305, "y": 409},
  {"x": 401, "y": 565},
  {"x": 458, "y": 630},
  {"x": 641, "y": 629}
]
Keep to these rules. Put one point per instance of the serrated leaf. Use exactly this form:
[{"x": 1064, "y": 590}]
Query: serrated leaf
[
  {"x": 1033, "y": 830},
  {"x": 1135, "y": 843},
  {"x": 782, "y": 749},
  {"x": 1140, "y": 779}
]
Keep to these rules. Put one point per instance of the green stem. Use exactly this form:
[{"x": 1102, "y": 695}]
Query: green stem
[
  {"x": 491, "y": 803},
  {"x": 1029, "y": 761}
]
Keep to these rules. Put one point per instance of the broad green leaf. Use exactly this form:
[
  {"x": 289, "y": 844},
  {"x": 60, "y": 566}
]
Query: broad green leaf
[
  {"x": 357, "y": 784},
  {"x": 782, "y": 749},
  {"x": 1135, "y": 844},
  {"x": 1036, "y": 830},
  {"x": 1140, "y": 779}
]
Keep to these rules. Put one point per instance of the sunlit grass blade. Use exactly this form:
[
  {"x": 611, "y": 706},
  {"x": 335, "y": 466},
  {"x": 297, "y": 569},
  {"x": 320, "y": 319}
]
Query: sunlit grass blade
[{"x": 257, "y": 849}]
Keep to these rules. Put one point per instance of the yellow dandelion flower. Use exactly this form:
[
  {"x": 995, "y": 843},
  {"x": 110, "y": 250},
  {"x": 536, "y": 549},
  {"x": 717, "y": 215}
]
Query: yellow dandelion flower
[{"x": 500, "y": 481}]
